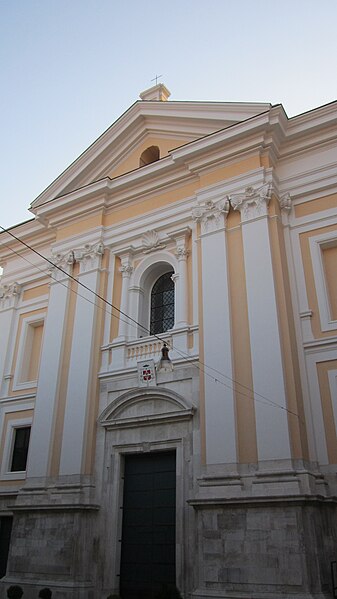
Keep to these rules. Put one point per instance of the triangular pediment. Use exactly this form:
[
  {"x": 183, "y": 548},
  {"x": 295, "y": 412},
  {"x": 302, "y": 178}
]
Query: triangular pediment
[{"x": 166, "y": 124}]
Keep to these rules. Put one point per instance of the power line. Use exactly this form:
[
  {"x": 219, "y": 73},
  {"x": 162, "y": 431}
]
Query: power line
[{"x": 133, "y": 322}]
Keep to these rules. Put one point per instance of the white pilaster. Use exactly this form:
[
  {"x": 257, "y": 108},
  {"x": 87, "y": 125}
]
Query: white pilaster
[
  {"x": 126, "y": 270},
  {"x": 109, "y": 314},
  {"x": 9, "y": 296},
  {"x": 80, "y": 367},
  {"x": 268, "y": 376},
  {"x": 50, "y": 368},
  {"x": 219, "y": 399},
  {"x": 181, "y": 281}
]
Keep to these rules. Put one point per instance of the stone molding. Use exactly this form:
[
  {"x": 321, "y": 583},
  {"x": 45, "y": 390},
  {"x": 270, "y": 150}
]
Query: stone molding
[
  {"x": 211, "y": 215},
  {"x": 253, "y": 203},
  {"x": 146, "y": 407}
]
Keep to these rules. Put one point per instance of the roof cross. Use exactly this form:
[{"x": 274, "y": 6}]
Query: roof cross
[{"x": 156, "y": 78}]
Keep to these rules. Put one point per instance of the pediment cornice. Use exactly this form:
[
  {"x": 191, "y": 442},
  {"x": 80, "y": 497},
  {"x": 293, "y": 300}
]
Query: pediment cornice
[
  {"x": 184, "y": 119},
  {"x": 145, "y": 407}
]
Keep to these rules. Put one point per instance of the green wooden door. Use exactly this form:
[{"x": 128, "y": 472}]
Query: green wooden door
[{"x": 148, "y": 533}]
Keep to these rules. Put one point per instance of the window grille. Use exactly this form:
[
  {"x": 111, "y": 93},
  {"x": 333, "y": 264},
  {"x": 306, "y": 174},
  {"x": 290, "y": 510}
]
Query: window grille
[{"x": 162, "y": 304}]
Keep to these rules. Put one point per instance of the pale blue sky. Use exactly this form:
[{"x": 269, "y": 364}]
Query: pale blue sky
[{"x": 69, "y": 68}]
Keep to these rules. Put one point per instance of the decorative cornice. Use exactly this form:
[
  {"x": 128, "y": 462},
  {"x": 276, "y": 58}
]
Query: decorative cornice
[
  {"x": 211, "y": 215},
  {"x": 253, "y": 202},
  {"x": 151, "y": 242}
]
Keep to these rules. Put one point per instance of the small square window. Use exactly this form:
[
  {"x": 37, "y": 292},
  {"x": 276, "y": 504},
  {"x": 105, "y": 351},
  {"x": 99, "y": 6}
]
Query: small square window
[{"x": 20, "y": 449}]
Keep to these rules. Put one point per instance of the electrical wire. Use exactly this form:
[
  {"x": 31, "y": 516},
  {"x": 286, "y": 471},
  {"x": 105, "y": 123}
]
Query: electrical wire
[{"x": 261, "y": 398}]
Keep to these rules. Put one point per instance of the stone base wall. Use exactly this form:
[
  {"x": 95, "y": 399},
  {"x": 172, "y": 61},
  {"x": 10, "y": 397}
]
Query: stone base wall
[
  {"x": 53, "y": 549},
  {"x": 266, "y": 550},
  {"x": 258, "y": 550}
]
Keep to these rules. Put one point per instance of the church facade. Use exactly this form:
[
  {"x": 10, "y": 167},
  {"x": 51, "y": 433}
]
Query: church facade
[{"x": 168, "y": 366}]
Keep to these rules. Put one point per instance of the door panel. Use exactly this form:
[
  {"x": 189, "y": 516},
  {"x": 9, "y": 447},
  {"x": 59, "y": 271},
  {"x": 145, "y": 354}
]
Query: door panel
[{"x": 148, "y": 531}]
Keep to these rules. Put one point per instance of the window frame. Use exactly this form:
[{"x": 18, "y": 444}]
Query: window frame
[
  {"x": 317, "y": 245},
  {"x": 12, "y": 426},
  {"x": 28, "y": 323},
  {"x": 15, "y": 448}
]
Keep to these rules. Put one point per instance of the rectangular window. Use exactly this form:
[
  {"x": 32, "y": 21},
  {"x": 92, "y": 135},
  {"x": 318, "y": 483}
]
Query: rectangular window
[{"x": 20, "y": 449}]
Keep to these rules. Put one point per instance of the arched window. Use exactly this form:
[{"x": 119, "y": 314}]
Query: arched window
[
  {"x": 162, "y": 304},
  {"x": 149, "y": 155}
]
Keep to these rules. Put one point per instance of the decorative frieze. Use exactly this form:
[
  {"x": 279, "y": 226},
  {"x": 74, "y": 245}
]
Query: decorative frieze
[
  {"x": 253, "y": 202},
  {"x": 211, "y": 215}
]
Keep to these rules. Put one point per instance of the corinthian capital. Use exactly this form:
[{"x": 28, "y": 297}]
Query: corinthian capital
[
  {"x": 126, "y": 270},
  {"x": 285, "y": 202},
  {"x": 89, "y": 251},
  {"x": 253, "y": 202},
  {"x": 9, "y": 295},
  {"x": 63, "y": 263},
  {"x": 211, "y": 215},
  {"x": 89, "y": 256}
]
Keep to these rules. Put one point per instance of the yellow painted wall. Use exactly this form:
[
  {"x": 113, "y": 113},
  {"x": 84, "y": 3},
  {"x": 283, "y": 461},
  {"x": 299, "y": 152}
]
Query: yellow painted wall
[
  {"x": 34, "y": 358},
  {"x": 328, "y": 416},
  {"x": 157, "y": 200},
  {"x": 63, "y": 378},
  {"x": 83, "y": 224},
  {"x": 35, "y": 292},
  {"x": 318, "y": 205},
  {"x": 132, "y": 161},
  {"x": 242, "y": 363}
]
